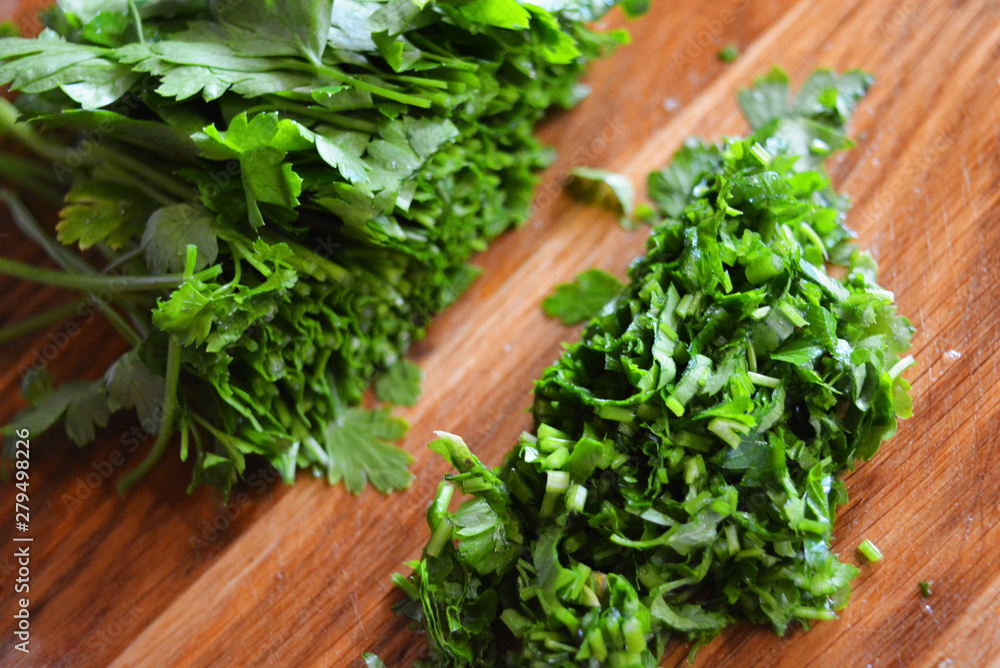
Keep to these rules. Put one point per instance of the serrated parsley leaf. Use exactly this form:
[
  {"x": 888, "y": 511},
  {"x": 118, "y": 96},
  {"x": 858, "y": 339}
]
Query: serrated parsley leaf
[
  {"x": 102, "y": 212},
  {"x": 768, "y": 99},
  {"x": 131, "y": 384},
  {"x": 84, "y": 73},
  {"x": 89, "y": 410},
  {"x": 274, "y": 25},
  {"x": 83, "y": 404},
  {"x": 582, "y": 299},
  {"x": 400, "y": 384},
  {"x": 812, "y": 122},
  {"x": 169, "y": 232},
  {"x": 359, "y": 447},
  {"x": 483, "y": 535},
  {"x": 197, "y": 307}
]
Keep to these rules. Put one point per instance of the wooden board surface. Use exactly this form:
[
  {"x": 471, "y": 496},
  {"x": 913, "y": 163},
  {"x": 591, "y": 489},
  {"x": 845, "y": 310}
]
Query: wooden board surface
[{"x": 299, "y": 576}]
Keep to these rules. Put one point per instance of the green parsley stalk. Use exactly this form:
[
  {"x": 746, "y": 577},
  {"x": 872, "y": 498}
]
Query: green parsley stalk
[{"x": 62, "y": 279}]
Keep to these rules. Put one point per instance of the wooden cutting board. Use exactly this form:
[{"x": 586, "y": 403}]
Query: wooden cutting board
[{"x": 299, "y": 576}]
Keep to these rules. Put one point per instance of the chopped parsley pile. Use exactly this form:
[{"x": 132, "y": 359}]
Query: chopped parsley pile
[
  {"x": 683, "y": 473},
  {"x": 273, "y": 197}
]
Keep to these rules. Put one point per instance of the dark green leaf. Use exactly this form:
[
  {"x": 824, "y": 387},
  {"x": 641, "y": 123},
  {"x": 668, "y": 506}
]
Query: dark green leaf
[{"x": 582, "y": 299}]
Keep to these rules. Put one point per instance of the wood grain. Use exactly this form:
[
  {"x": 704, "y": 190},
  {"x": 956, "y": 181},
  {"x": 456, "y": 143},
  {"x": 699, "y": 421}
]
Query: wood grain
[{"x": 298, "y": 576}]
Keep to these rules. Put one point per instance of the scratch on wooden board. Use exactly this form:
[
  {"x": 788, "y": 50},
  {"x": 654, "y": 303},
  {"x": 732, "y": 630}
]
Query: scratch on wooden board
[
  {"x": 272, "y": 639},
  {"x": 968, "y": 188}
]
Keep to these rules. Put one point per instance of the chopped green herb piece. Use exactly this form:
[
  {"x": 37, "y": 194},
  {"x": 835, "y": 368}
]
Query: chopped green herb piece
[
  {"x": 372, "y": 660},
  {"x": 869, "y": 551},
  {"x": 582, "y": 299},
  {"x": 604, "y": 188},
  {"x": 925, "y": 588},
  {"x": 729, "y": 54}
]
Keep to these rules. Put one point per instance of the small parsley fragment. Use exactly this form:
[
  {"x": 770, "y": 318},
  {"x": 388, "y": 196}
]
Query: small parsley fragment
[
  {"x": 372, "y": 660},
  {"x": 729, "y": 54},
  {"x": 400, "y": 384},
  {"x": 925, "y": 588},
  {"x": 584, "y": 298},
  {"x": 869, "y": 551},
  {"x": 683, "y": 473},
  {"x": 603, "y": 188}
]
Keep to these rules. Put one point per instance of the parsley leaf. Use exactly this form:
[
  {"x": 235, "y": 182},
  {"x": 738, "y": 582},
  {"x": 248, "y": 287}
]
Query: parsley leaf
[
  {"x": 131, "y": 384},
  {"x": 83, "y": 404},
  {"x": 582, "y": 299},
  {"x": 170, "y": 230},
  {"x": 400, "y": 384},
  {"x": 96, "y": 211},
  {"x": 359, "y": 448},
  {"x": 605, "y": 188}
]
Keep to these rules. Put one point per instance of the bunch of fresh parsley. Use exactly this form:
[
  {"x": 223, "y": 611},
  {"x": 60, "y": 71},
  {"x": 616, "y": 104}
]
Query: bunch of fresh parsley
[
  {"x": 683, "y": 474},
  {"x": 276, "y": 196}
]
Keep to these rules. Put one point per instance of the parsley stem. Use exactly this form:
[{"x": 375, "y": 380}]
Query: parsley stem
[
  {"x": 98, "y": 155},
  {"x": 68, "y": 261},
  {"x": 41, "y": 320},
  {"x": 124, "y": 258},
  {"x": 138, "y": 21},
  {"x": 31, "y": 229},
  {"x": 307, "y": 261},
  {"x": 118, "y": 322},
  {"x": 869, "y": 551},
  {"x": 166, "y": 424},
  {"x": 420, "y": 81},
  {"x": 361, "y": 84},
  {"x": 343, "y": 121},
  {"x": 24, "y": 134},
  {"x": 138, "y": 167},
  {"x": 439, "y": 537},
  {"x": 30, "y": 174},
  {"x": 87, "y": 283},
  {"x": 407, "y": 586},
  {"x": 122, "y": 177}
]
